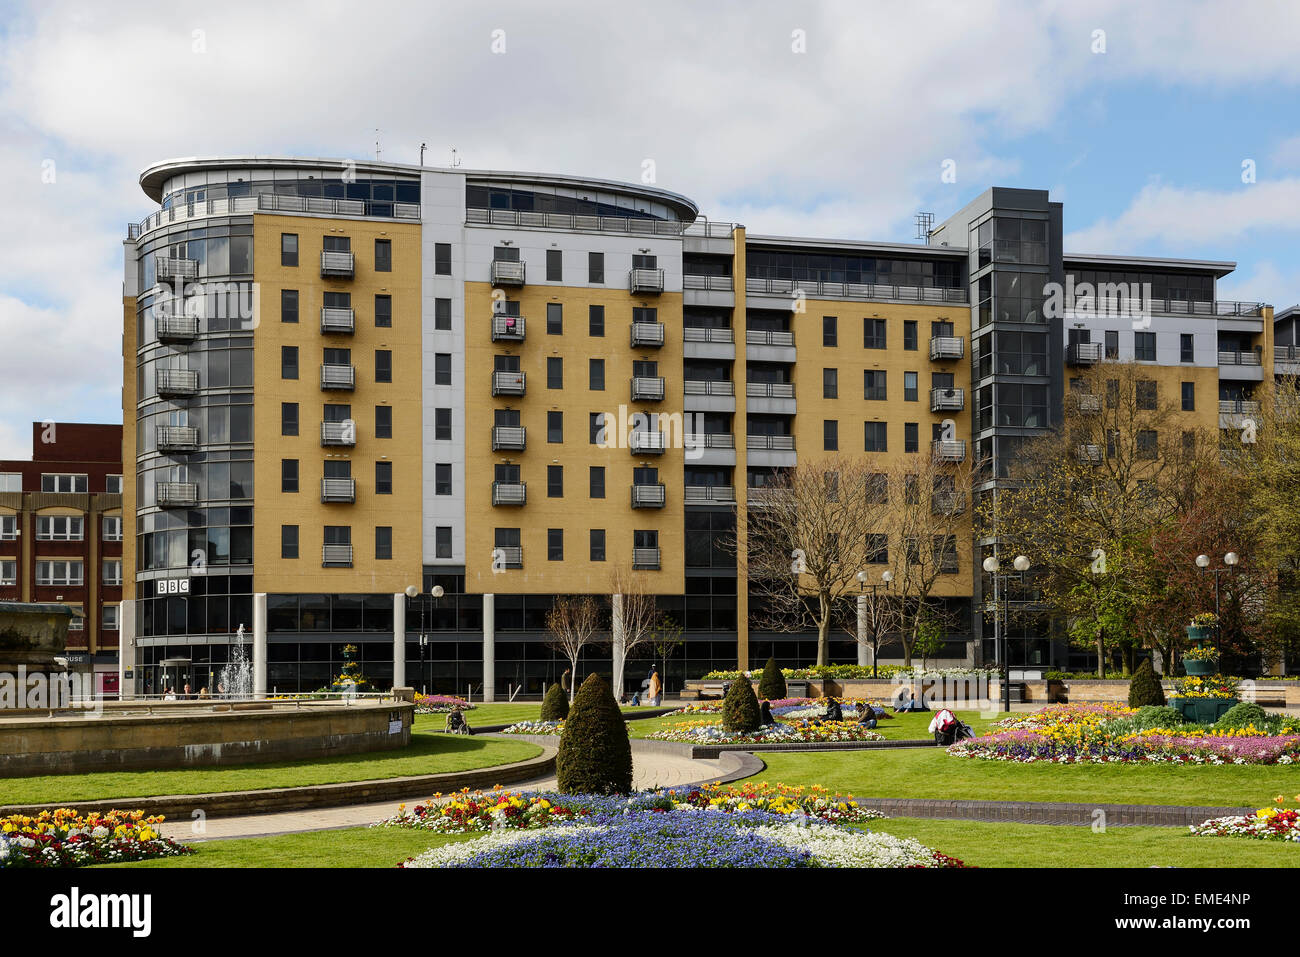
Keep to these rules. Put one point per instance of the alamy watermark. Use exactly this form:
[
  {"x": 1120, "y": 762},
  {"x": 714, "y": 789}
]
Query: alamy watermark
[
  {"x": 1103, "y": 300},
  {"x": 42, "y": 691}
]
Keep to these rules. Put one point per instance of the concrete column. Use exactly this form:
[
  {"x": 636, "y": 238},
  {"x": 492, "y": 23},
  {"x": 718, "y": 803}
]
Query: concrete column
[
  {"x": 126, "y": 656},
  {"x": 399, "y": 640},
  {"x": 619, "y": 637},
  {"x": 489, "y": 648},
  {"x": 259, "y": 645},
  {"x": 862, "y": 631}
]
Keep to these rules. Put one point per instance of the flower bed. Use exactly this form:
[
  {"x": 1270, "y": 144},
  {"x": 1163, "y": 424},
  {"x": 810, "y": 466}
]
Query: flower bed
[
  {"x": 1266, "y": 824},
  {"x": 534, "y": 727},
  {"x": 66, "y": 838},
  {"x": 703, "y": 707},
  {"x": 783, "y": 732},
  {"x": 440, "y": 704},
  {"x": 1070, "y": 734},
  {"x": 837, "y": 672}
]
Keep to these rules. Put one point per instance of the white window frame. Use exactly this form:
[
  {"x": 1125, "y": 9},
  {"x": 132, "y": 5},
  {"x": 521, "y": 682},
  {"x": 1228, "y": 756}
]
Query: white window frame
[
  {"x": 111, "y": 563},
  {"x": 116, "y": 522},
  {"x": 78, "y": 622},
  {"x": 48, "y": 528},
  {"x": 109, "y": 483},
  {"x": 108, "y": 618},
  {"x": 9, "y": 528},
  {"x": 7, "y": 479},
  {"x": 46, "y": 569},
  {"x": 72, "y": 483},
  {"x": 9, "y": 571}
]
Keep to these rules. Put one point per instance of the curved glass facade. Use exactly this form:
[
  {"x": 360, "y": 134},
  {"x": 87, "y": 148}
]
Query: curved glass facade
[{"x": 324, "y": 185}]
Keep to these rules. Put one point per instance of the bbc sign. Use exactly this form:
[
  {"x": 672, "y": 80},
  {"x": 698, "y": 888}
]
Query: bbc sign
[{"x": 173, "y": 586}]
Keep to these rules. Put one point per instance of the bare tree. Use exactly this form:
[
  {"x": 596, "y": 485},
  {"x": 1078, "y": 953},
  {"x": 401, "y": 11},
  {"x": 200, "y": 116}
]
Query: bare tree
[
  {"x": 636, "y": 617},
  {"x": 574, "y": 622},
  {"x": 807, "y": 540}
]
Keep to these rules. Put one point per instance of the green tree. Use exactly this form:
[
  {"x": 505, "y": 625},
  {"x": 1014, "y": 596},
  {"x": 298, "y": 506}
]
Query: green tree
[
  {"x": 1144, "y": 688},
  {"x": 595, "y": 756},
  {"x": 555, "y": 704},
  {"x": 772, "y": 685},
  {"x": 740, "y": 711}
]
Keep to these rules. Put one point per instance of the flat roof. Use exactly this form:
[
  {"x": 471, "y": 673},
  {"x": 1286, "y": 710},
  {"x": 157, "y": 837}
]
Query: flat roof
[
  {"x": 854, "y": 245},
  {"x": 1218, "y": 267}
]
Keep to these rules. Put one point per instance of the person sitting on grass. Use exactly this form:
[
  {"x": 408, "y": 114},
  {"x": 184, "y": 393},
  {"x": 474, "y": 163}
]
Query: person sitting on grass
[
  {"x": 456, "y": 723},
  {"x": 765, "y": 713},
  {"x": 833, "y": 710},
  {"x": 905, "y": 701},
  {"x": 869, "y": 714}
]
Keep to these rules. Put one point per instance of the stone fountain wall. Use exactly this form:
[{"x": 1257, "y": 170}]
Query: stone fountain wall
[{"x": 34, "y": 636}]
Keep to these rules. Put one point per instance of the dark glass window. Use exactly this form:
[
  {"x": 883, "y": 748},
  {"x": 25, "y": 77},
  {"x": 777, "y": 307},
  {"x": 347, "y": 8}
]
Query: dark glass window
[
  {"x": 383, "y": 311},
  {"x": 1144, "y": 346},
  {"x": 1189, "y": 396},
  {"x": 383, "y": 478},
  {"x": 830, "y": 383},
  {"x": 442, "y": 314},
  {"x": 597, "y": 544},
  {"x": 288, "y": 475},
  {"x": 442, "y": 259},
  {"x": 555, "y": 481},
  {"x": 875, "y": 437},
  {"x": 554, "y": 318},
  {"x": 554, "y": 372},
  {"x": 596, "y": 482},
  {"x": 830, "y": 435},
  {"x": 595, "y": 267},
  {"x": 1147, "y": 395},
  {"x": 383, "y": 365},
  {"x": 442, "y": 425},
  {"x": 442, "y": 478},
  {"x": 442, "y": 541},
  {"x": 830, "y": 331},
  {"x": 874, "y": 333},
  {"x": 554, "y": 265},
  {"x": 554, "y": 426},
  {"x": 1186, "y": 347},
  {"x": 909, "y": 334},
  {"x": 442, "y": 368},
  {"x": 288, "y": 362},
  {"x": 288, "y": 541},
  {"x": 288, "y": 418},
  {"x": 595, "y": 320},
  {"x": 874, "y": 384},
  {"x": 911, "y": 437},
  {"x": 383, "y": 421},
  {"x": 383, "y": 542},
  {"x": 288, "y": 249},
  {"x": 288, "y": 305},
  {"x": 383, "y": 255},
  {"x": 555, "y": 544},
  {"x": 596, "y": 375}
]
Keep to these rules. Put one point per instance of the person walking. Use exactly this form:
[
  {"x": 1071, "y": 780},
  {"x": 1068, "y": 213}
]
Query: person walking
[
  {"x": 566, "y": 681},
  {"x": 656, "y": 688}
]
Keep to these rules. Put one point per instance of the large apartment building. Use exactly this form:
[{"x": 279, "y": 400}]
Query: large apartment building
[
  {"x": 61, "y": 534},
  {"x": 346, "y": 380}
]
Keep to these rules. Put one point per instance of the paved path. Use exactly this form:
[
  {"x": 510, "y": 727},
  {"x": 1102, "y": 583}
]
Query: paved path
[{"x": 648, "y": 770}]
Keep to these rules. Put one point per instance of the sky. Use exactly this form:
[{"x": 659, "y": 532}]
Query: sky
[{"x": 1166, "y": 128}]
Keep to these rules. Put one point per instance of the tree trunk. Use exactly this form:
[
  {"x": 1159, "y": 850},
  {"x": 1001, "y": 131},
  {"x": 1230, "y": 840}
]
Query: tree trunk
[
  {"x": 909, "y": 645},
  {"x": 1101, "y": 655},
  {"x": 823, "y": 644}
]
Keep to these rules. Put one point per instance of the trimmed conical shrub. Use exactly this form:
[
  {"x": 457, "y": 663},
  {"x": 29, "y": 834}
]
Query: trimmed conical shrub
[
  {"x": 772, "y": 685},
  {"x": 1244, "y": 714},
  {"x": 595, "y": 756},
  {"x": 740, "y": 707},
  {"x": 555, "y": 705},
  {"x": 1144, "y": 687}
]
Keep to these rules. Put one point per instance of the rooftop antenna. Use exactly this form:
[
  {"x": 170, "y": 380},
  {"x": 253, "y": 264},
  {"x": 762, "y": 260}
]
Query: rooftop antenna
[
  {"x": 423, "y": 147},
  {"x": 924, "y": 225},
  {"x": 377, "y": 150},
  {"x": 455, "y": 160}
]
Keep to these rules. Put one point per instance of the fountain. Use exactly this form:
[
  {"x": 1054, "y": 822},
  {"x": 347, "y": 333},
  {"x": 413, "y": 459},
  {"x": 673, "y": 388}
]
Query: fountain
[{"x": 237, "y": 676}]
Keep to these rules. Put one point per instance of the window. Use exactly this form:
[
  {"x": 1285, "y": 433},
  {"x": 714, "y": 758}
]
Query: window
[
  {"x": 1186, "y": 347},
  {"x": 111, "y": 571},
  {"x": 555, "y": 544},
  {"x": 554, "y": 372},
  {"x": 288, "y": 305},
  {"x": 555, "y": 481},
  {"x": 111, "y": 528},
  {"x": 830, "y": 383},
  {"x": 109, "y": 617},
  {"x": 554, "y": 265},
  {"x": 597, "y": 544},
  {"x": 383, "y": 255},
  {"x": 442, "y": 425},
  {"x": 288, "y": 475},
  {"x": 909, "y": 335},
  {"x": 911, "y": 437},
  {"x": 288, "y": 362},
  {"x": 873, "y": 333},
  {"x": 383, "y": 421},
  {"x": 596, "y": 482},
  {"x": 554, "y": 426},
  {"x": 1144, "y": 346},
  {"x": 9, "y": 572},
  {"x": 877, "y": 489},
  {"x": 442, "y": 541},
  {"x": 830, "y": 435},
  {"x": 288, "y": 249},
  {"x": 11, "y": 481},
  {"x": 554, "y": 318},
  {"x": 77, "y": 622},
  {"x": 442, "y": 368},
  {"x": 873, "y": 384},
  {"x": 63, "y": 482},
  {"x": 442, "y": 315},
  {"x": 383, "y": 542},
  {"x": 59, "y": 572},
  {"x": 1147, "y": 396},
  {"x": 595, "y": 375},
  {"x": 1189, "y": 396},
  {"x": 383, "y": 478},
  {"x": 875, "y": 437},
  {"x": 442, "y": 259},
  {"x": 288, "y": 541},
  {"x": 830, "y": 331},
  {"x": 59, "y": 528},
  {"x": 442, "y": 478},
  {"x": 596, "y": 267},
  {"x": 909, "y": 386},
  {"x": 1112, "y": 344},
  {"x": 383, "y": 365},
  {"x": 113, "y": 484},
  {"x": 1112, "y": 393},
  {"x": 8, "y": 528},
  {"x": 383, "y": 311},
  {"x": 877, "y": 549},
  {"x": 1148, "y": 444},
  {"x": 595, "y": 422},
  {"x": 288, "y": 418}
]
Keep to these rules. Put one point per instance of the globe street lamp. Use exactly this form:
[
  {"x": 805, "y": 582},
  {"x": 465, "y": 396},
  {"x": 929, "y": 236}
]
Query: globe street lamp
[
  {"x": 886, "y": 577},
  {"x": 991, "y": 565},
  {"x": 411, "y": 593},
  {"x": 1230, "y": 561}
]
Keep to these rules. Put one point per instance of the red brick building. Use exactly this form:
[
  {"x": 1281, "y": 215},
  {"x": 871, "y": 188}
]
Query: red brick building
[{"x": 61, "y": 535}]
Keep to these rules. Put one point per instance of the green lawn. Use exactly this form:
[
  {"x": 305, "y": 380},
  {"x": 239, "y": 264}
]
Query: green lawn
[
  {"x": 1040, "y": 845},
  {"x": 349, "y": 847},
  {"x": 498, "y": 712},
  {"x": 935, "y": 774},
  {"x": 427, "y": 754},
  {"x": 903, "y": 726}
]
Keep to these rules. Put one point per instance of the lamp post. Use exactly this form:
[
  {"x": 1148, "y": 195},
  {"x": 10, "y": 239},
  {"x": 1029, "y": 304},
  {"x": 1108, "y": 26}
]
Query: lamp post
[
  {"x": 411, "y": 593},
  {"x": 993, "y": 567},
  {"x": 1230, "y": 561},
  {"x": 886, "y": 577}
]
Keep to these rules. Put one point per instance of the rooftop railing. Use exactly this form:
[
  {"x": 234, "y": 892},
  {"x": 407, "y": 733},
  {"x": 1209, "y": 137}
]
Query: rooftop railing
[
  {"x": 271, "y": 202},
  {"x": 821, "y": 289},
  {"x": 573, "y": 222}
]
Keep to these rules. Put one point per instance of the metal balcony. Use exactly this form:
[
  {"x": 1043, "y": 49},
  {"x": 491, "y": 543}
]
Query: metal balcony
[
  {"x": 505, "y": 273},
  {"x": 645, "y": 558},
  {"x": 947, "y": 400},
  {"x": 173, "y": 494},
  {"x": 771, "y": 390},
  {"x": 338, "y": 490},
  {"x": 649, "y": 496},
  {"x": 768, "y": 337},
  {"x": 1244, "y": 406},
  {"x": 760, "y": 496},
  {"x": 338, "y": 433},
  {"x": 708, "y": 387},
  {"x": 712, "y": 440},
  {"x": 176, "y": 328},
  {"x": 1083, "y": 353},
  {"x": 333, "y": 319},
  {"x": 337, "y": 377},
  {"x": 178, "y": 438},
  {"x": 645, "y": 280},
  {"x": 509, "y": 383},
  {"x": 1091, "y": 453},
  {"x": 507, "y": 328},
  {"x": 509, "y": 493},
  {"x": 510, "y": 556},
  {"x": 1088, "y": 403},
  {"x": 509, "y": 438},
  {"x": 336, "y": 556},
  {"x": 337, "y": 265},
  {"x": 169, "y": 269},
  {"x": 647, "y": 388},
  {"x": 647, "y": 334},
  {"x": 709, "y": 494},
  {"x": 947, "y": 502},
  {"x": 707, "y": 334},
  {"x": 643, "y": 442},
  {"x": 177, "y": 382},
  {"x": 1230, "y": 358},
  {"x": 950, "y": 450},
  {"x": 947, "y": 347},
  {"x": 776, "y": 443}
]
